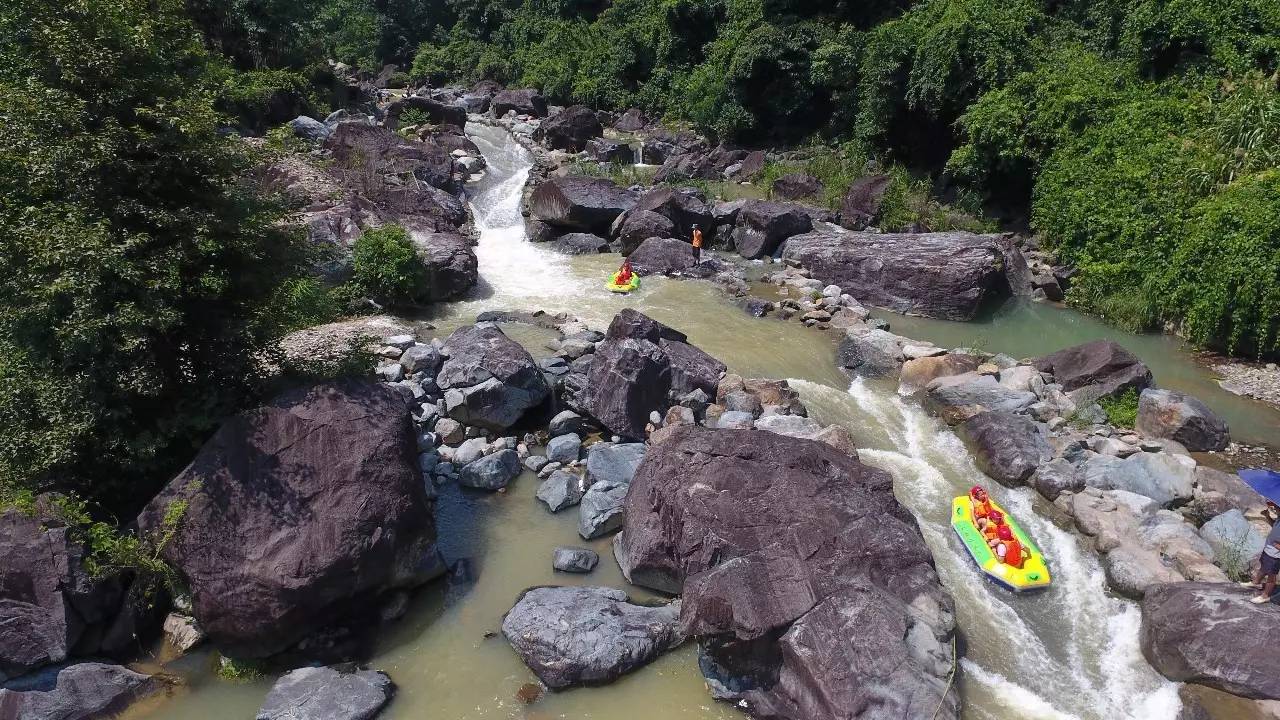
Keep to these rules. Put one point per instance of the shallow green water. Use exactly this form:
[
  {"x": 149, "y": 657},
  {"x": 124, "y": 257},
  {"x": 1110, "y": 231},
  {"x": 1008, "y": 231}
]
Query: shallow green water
[{"x": 1027, "y": 329}]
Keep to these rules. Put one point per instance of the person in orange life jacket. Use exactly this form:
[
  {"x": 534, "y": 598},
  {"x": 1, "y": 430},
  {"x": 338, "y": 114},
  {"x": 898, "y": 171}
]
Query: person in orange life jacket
[
  {"x": 697, "y": 244},
  {"x": 991, "y": 531},
  {"x": 624, "y": 272},
  {"x": 1010, "y": 550},
  {"x": 981, "y": 505}
]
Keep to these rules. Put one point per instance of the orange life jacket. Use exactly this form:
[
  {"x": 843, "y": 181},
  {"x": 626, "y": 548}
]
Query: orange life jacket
[
  {"x": 697, "y": 238},
  {"x": 1012, "y": 552},
  {"x": 981, "y": 509},
  {"x": 989, "y": 532}
]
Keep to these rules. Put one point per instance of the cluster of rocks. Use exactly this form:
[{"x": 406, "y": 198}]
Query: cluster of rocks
[
  {"x": 1170, "y": 531},
  {"x": 362, "y": 174},
  {"x": 63, "y": 624},
  {"x": 1261, "y": 381},
  {"x": 724, "y": 505}
]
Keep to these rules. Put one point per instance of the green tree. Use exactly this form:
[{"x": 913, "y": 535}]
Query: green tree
[
  {"x": 136, "y": 264},
  {"x": 387, "y": 266}
]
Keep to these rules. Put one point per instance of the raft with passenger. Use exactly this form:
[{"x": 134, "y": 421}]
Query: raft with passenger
[
  {"x": 614, "y": 286},
  {"x": 1034, "y": 573}
]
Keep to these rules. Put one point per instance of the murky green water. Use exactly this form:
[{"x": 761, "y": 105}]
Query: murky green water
[
  {"x": 1026, "y": 329},
  {"x": 1068, "y": 654}
]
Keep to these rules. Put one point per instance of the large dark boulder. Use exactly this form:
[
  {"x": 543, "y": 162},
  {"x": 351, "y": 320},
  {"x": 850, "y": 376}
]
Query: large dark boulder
[
  {"x": 762, "y": 225},
  {"x": 1094, "y": 370},
  {"x": 610, "y": 151},
  {"x": 797, "y": 186},
  {"x": 522, "y": 102},
  {"x": 364, "y": 153},
  {"x": 569, "y": 130},
  {"x": 1181, "y": 417},
  {"x": 1006, "y": 446},
  {"x": 629, "y": 323},
  {"x": 943, "y": 275},
  {"x": 587, "y": 635},
  {"x": 79, "y": 691},
  {"x": 51, "y": 605},
  {"x": 580, "y": 203},
  {"x": 297, "y": 513},
  {"x": 489, "y": 379},
  {"x": 1210, "y": 634},
  {"x": 630, "y": 121},
  {"x": 767, "y": 536},
  {"x": 662, "y": 256},
  {"x": 580, "y": 244},
  {"x": 629, "y": 378},
  {"x": 683, "y": 209},
  {"x": 861, "y": 204},
  {"x": 640, "y": 225},
  {"x": 328, "y": 693},
  {"x": 691, "y": 368},
  {"x": 437, "y": 113},
  {"x": 450, "y": 262}
]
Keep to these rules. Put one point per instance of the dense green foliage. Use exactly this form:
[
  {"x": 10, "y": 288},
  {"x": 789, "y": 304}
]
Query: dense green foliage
[
  {"x": 387, "y": 267},
  {"x": 1139, "y": 137},
  {"x": 136, "y": 263},
  {"x": 1122, "y": 409}
]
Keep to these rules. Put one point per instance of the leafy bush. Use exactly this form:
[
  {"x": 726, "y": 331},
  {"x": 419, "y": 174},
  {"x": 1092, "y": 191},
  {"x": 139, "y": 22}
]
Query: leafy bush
[
  {"x": 1122, "y": 409},
  {"x": 260, "y": 99},
  {"x": 137, "y": 266},
  {"x": 387, "y": 266}
]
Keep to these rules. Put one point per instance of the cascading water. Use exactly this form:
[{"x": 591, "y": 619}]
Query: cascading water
[{"x": 1070, "y": 653}]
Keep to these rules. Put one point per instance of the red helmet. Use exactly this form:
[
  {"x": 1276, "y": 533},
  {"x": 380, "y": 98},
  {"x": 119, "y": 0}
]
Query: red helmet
[
  {"x": 973, "y": 491},
  {"x": 1005, "y": 533},
  {"x": 996, "y": 517}
]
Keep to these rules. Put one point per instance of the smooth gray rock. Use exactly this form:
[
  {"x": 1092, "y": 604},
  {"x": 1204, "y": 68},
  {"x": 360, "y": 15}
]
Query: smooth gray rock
[
  {"x": 580, "y": 244},
  {"x": 327, "y": 693},
  {"x": 587, "y": 635},
  {"x": 568, "y": 421},
  {"x": 561, "y": 490},
  {"x": 1235, "y": 541},
  {"x": 972, "y": 389},
  {"x": 736, "y": 420},
  {"x": 78, "y": 691},
  {"x": 1166, "y": 478},
  {"x": 613, "y": 463},
  {"x": 564, "y": 448},
  {"x": 525, "y": 101},
  {"x": 600, "y": 511},
  {"x": 570, "y": 130},
  {"x": 470, "y": 451},
  {"x": 1182, "y": 418},
  {"x": 1006, "y": 446},
  {"x": 1209, "y": 634},
  {"x": 945, "y": 275},
  {"x": 579, "y": 203},
  {"x": 662, "y": 256},
  {"x": 762, "y": 225},
  {"x": 489, "y": 380},
  {"x": 640, "y": 225},
  {"x": 310, "y": 129},
  {"x": 870, "y": 353},
  {"x": 535, "y": 463},
  {"x": 491, "y": 472},
  {"x": 574, "y": 560},
  {"x": 1054, "y": 478}
]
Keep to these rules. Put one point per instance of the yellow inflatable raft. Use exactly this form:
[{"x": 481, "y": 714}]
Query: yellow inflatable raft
[
  {"x": 613, "y": 286},
  {"x": 1034, "y": 573}
]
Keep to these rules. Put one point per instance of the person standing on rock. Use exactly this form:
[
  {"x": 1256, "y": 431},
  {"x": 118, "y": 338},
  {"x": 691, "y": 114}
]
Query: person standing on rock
[
  {"x": 697, "y": 244},
  {"x": 1269, "y": 562}
]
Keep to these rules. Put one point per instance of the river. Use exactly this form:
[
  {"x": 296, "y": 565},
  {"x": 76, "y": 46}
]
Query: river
[{"x": 1069, "y": 653}]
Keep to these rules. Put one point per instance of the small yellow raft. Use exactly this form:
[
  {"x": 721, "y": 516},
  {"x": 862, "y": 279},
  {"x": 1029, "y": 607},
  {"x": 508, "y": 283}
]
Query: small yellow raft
[
  {"x": 613, "y": 286},
  {"x": 1034, "y": 573}
]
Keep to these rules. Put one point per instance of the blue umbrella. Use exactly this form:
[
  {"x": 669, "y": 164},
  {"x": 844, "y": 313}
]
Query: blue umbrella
[{"x": 1266, "y": 482}]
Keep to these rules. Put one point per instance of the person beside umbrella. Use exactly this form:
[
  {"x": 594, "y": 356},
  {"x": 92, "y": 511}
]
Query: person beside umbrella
[{"x": 1267, "y": 484}]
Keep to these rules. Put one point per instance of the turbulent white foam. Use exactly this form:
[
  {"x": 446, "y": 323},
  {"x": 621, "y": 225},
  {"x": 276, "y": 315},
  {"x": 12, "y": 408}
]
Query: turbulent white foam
[{"x": 1070, "y": 653}]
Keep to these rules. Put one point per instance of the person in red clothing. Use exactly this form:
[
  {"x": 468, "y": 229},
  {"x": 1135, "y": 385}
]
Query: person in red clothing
[
  {"x": 624, "y": 272},
  {"x": 991, "y": 528},
  {"x": 981, "y": 505},
  {"x": 1010, "y": 550}
]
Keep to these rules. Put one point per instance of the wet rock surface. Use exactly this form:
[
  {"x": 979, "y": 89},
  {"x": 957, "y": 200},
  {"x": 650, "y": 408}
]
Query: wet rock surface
[
  {"x": 587, "y": 635},
  {"x": 764, "y": 534},
  {"x": 78, "y": 691},
  {"x": 327, "y": 693}
]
